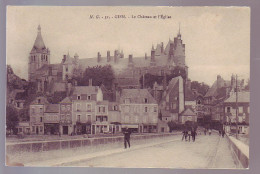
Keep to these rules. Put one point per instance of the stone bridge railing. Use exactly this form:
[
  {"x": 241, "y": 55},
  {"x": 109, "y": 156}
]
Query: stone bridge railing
[
  {"x": 40, "y": 146},
  {"x": 240, "y": 152}
]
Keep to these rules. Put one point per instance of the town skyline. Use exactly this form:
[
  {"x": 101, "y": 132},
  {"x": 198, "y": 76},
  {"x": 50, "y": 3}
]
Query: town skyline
[{"x": 210, "y": 48}]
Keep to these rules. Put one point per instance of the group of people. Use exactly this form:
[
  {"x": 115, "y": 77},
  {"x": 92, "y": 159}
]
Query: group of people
[
  {"x": 207, "y": 130},
  {"x": 189, "y": 133},
  {"x": 221, "y": 133}
]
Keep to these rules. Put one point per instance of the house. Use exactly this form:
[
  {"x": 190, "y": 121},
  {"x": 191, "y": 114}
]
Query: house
[
  {"x": 23, "y": 127},
  {"x": 114, "y": 117},
  {"x": 243, "y": 111},
  {"x": 172, "y": 103},
  {"x": 216, "y": 94},
  {"x": 51, "y": 119},
  {"x": 139, "y": 110},
  {"x": 188, "y": 115},
  {"x": 66, "y": 127},
  {"x": 101, "y": 122},
  {"x": 37, "y": 108},
  {"x": 84, "y": 99}
]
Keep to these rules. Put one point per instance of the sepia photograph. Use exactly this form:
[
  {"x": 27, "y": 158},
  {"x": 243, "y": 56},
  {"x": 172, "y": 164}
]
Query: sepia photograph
[{"x": 128, "y": 87}]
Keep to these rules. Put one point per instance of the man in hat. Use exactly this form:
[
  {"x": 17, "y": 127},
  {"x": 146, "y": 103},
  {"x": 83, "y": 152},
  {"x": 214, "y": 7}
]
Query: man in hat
[{"x": 127, "y": 133}]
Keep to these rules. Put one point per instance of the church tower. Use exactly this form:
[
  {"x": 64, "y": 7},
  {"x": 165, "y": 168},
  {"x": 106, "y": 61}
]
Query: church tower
[{"x": 39, "y": 56}]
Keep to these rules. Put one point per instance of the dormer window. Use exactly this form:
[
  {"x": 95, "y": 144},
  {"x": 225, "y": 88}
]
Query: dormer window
[
  {"x": 39, "y": 100},
  {"x": 78, "y": 97},
  {"x": 145, "y": 100}
]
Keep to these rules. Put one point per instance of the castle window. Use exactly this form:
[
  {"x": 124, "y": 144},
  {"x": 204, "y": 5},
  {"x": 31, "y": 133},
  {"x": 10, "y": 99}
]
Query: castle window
[
  {"x": 78, "y": 97},
  {"x": 145, "y": 100},
  {"x": 145, "y": 109},
  {"x": 46, "y": 58}
]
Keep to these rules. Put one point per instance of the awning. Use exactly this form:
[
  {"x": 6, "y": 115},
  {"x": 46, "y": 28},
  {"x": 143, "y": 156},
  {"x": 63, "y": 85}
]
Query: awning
[{"x": 130, "y": 125}]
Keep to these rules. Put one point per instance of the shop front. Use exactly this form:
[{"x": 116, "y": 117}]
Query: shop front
[
  {"x": 51, "y": 128},
  {"x": 133, "y": 127},
  {"x": 149, "y": 128}
]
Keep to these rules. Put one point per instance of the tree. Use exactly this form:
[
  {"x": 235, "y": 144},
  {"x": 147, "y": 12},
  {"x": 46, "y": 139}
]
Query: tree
[
  {"x": 11, "y": 119},
  {"x": 200, "y": 87},
  {"x": 99, "y": 75},
  {"x": 149, "y": 80}
]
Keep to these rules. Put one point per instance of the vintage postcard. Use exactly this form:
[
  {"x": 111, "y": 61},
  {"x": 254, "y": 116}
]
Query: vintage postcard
[{"x": 128, "y": 87}]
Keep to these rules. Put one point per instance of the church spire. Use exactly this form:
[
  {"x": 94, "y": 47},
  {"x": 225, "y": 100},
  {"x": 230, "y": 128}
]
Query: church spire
[
  {"x": 39, "y": 44},
  {"x": 179, "y": 33},
  {"x": 39, "y": 28}
]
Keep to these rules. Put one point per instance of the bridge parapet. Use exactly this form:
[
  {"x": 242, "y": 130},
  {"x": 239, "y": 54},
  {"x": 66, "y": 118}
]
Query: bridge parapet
[{"x": 240, "y": 152}]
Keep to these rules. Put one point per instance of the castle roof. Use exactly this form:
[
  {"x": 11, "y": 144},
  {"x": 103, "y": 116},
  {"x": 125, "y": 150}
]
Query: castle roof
[{"x": 39, "y": 44}]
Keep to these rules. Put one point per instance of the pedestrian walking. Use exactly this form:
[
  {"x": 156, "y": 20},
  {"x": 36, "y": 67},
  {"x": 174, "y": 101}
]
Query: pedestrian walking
[
  {"x": 183, "y": 135},
  {"x": 209, "y": 131},
  {"x": 219, "y": 132},
  {"x": 189, "y": 134},
  {"x": 193, "y": 134},
  {"x": 205, "y": 131},
  {"x": 127, "y": 132},
  {"x": 223, "y": 133}
]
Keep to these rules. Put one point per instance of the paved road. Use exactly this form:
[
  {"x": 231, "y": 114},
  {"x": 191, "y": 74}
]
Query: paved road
[{"x": 206, "y": 152}]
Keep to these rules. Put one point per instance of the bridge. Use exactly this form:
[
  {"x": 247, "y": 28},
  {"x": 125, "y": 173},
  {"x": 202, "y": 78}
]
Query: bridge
[{"x": 208, "y": 151}]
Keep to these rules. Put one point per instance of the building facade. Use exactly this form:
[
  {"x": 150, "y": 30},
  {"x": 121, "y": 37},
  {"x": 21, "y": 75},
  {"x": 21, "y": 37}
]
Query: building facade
[
  {"x": 37, "y": 108},
  {"x": 66, "y": 127},
  {"x": 139, "y": 110}
]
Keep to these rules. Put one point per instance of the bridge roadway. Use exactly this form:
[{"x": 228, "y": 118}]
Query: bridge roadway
[{"x": 206, "y": 152}]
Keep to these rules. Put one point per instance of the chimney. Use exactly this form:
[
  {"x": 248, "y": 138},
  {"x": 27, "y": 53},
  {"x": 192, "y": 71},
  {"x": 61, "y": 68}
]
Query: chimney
[
  {"x": 64, "y": 58},
  {"x": 130, "y": 61},
  {"x": 152, "y": 63},
  {"x": 122, "y": 54},
  {"x": 108, "y": 56},
  {"x": 115, "y": 56},
  {"x": 98, "y": 57},
  {"x": 162, "y": 49},
  {"x": 90, "y": 82}
]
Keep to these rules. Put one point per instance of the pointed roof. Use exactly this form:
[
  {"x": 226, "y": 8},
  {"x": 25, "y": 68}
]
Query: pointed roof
[
  {"x": 188, "y": 112},
  {"x": 66, "y": 100},
  {"x": 158, "y": 49},
  {"x": 39, "y": 44}
]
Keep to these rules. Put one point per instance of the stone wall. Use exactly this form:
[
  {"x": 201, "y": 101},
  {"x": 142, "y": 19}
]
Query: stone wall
[
  {"x": 240, "y": 152},
  {"x": 41, "y": 146}
]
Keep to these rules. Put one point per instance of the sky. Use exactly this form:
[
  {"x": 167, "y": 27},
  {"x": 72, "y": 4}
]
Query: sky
[{"x": 217, "y": 39}]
